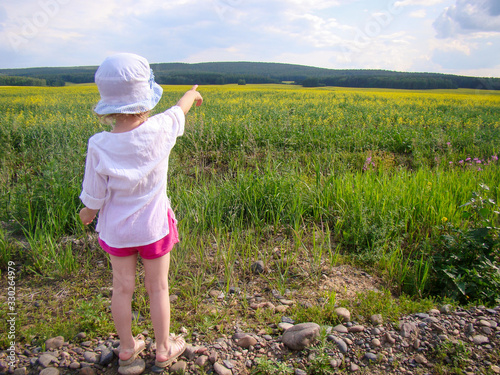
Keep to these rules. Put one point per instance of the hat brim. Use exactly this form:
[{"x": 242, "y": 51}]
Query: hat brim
[{"x": 156, "y": 91}]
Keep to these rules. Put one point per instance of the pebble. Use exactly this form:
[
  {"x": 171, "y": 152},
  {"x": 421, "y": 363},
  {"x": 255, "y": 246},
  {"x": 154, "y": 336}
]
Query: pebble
[
  {"x": 91, "y": 357},
  {"x": 201, "y": 361},
  {"x": 480, "y": 340},
  {"x": 178, "y": 368},
  {"x": 87, "y": 371},
  {"x": 74, "y": 365},
  {"x": 46, "y": 359},
  {"x": 377, "y": 319},
  {"x": 421, "y": 359},
  {"x": 49, "y": 371},
  {"x": 221, "y": 370},
  {"x": 54, "y": 343},
  {"x": 371, "y": 357},
  {"x": 301, "y": 336},
  {"x": 107, "y": 356},
  {"x": 343, "y": 313},
  {"x": 340, "y": 328},
  {"x": 340, "y": 343},
  {"x": 246, "y": 341},
  {"x": 257, "y": 267},
  {"x": 137, "y": 367},
  {"x": 284, "y": 326},
  {"x": 356, "y": 328},
  {"x": 381, "y": 346}
]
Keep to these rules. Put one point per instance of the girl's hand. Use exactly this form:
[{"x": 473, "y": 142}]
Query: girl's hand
[
  {"x": 189, "y": 98},
  {"x": 198, "y": 98},
  {"x": 87, "y": 215}
]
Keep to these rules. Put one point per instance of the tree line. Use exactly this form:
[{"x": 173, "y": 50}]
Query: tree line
[{"x": 258, "y": 73}]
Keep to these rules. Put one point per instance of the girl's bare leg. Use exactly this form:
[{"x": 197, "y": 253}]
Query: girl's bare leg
[
  {"x": 121, "y": 301},
  {"x": 156, "y": 282}
]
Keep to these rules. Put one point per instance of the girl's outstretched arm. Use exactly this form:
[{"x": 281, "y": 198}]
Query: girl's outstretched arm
[{"x": 187, "y": 100}]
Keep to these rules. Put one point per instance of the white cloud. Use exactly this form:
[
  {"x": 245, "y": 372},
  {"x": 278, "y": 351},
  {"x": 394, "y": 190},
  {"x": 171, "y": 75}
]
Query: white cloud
[
  {"x": 385, "y": 34},
  {"x": 426, "y": 3},
  {"x": 469, "y": 16},
  {"x": 421, "y": 13}
]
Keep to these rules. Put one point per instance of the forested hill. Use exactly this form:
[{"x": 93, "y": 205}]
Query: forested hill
[{"x": 255, "y": 72}]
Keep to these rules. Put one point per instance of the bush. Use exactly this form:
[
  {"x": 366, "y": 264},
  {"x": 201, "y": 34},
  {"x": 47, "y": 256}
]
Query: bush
[{"x": 466, "y": 266}]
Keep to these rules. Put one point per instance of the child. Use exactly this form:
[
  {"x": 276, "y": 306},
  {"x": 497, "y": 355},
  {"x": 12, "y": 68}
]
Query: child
[{"x": 125, "y": 181}]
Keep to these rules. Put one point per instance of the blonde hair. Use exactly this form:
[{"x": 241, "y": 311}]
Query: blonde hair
[{"x": 110, "y": 119}]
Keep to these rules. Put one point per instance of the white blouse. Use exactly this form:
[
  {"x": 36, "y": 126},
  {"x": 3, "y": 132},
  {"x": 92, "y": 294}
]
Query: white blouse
[{"x": 126, "y": 179}]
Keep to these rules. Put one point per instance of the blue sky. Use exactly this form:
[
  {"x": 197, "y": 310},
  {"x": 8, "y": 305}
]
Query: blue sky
[{"x": 445, "y": 36}]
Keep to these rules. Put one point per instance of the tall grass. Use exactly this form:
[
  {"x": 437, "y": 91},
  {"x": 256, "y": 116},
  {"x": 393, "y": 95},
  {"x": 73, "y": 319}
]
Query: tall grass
[{"x": 315, "y": 173}]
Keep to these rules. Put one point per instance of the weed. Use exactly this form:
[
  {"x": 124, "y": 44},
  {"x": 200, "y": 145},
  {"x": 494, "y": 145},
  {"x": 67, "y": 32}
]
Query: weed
[
  {"x": 266, "y": 366},
  {"x": 467, "y": 265},
  {"x": 451, "y": 357}
]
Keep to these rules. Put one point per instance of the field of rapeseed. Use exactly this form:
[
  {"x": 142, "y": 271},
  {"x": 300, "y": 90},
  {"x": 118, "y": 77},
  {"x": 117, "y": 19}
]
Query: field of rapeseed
[{"x": 372, "y": 176}]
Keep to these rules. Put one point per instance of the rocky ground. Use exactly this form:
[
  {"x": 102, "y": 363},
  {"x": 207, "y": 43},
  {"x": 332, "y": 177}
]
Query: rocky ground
[{"x": 469, "y": 339}]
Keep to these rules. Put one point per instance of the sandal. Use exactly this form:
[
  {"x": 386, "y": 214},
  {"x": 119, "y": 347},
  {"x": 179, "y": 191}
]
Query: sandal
[
  {"x": 178, "y": 347},
  {"x": 139, "y": 347}
]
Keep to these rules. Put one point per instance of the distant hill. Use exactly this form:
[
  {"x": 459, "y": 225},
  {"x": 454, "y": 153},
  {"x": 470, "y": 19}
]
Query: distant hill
[{"x": 257, "y": 72}]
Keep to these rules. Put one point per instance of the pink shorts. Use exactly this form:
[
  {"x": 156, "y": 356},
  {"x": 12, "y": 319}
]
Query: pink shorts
[{"x": 151, "y": 251}]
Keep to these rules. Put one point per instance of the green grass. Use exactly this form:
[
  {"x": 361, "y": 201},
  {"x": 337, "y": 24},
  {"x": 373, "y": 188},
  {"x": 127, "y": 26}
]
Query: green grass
[{"x": 301, "y": 179}]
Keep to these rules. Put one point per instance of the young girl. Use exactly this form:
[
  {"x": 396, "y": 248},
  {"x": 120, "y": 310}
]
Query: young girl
[{"x": 125, "y": 181}]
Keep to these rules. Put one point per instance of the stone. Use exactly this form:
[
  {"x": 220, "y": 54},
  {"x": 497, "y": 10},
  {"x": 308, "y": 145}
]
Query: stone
[
  {"x": 377, "y": 319},
  {"x": 281, "y": 308},
  {"x": 354, "y": 367},
  {"x": 340, "y": 328},
  {"x": 107, "y": 356},
  {"x": 20, "y": 371},
  {"x": 284, "y": 326},
  {"x": 246, "y": 341},
  {"x": 257, "y": 267},
  {"x": 213, "y": 356},
  {"x": 74, "y": 365},
  {"x": 389, "y": 339},
  {"x": 356, "y": 328},
  {"x": 135, "y": 368},
  {"x": 189, "y": 352},
  {"x": 495, "y": 369},
  {"x": 46, "y": 359},
  {"x": 340, "y": 343},
  {"x": 334, "y": 363},
  {"x": 376, "y": 343},
  {"x": 480, "y": 340},
  {"x": 49, "y": 371},
  {"x": 446, "y": 309},
  {"x": 221, "y": 370},
  {"x": 301, "y": 336},
  {"x": 91, "y": 357},
  {"x": 179, "y": 367},
  {"x": 201, "y": 361},
  {"x": 343, "y": 313},
  {"x": 54, "y": 343},
  {"x": 299, "y": 371},
  {"x": 371, "y": 357},
  {"x": 419, "y": 358},
  {"x": 87, "y": 371},
  {"x": 406, "y": 329}
]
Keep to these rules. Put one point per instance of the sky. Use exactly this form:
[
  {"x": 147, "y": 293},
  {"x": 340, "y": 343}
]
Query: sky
[{"x": 444, "y": 36}]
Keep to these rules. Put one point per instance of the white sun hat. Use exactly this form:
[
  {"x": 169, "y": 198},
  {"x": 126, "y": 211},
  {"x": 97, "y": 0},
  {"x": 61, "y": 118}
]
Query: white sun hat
[{"x": 126, "y": 84}]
